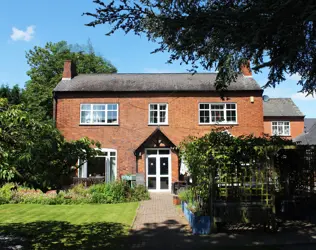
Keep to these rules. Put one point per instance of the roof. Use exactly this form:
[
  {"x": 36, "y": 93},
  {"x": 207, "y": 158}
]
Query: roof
[
  {"x": 308, "y": 123},
  {"x": 154, "y": 140},
  {"x": 150, "y": 83},
  {"x": 281, "y": 107},
  {"x": 308, "y": 138}
]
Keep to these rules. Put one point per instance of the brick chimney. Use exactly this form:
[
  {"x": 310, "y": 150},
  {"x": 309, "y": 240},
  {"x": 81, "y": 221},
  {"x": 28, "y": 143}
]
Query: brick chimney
[
  {"x": 245, "y": 69},
  {"x": 69, "y": 70}
]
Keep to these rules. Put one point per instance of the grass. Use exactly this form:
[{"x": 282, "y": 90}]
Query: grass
[{"x": 65, "y": 226}]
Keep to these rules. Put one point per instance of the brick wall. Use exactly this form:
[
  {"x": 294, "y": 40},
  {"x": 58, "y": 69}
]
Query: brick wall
[
  {"x": 296, "y": 125},
  {"x": 133, "y": 126}
]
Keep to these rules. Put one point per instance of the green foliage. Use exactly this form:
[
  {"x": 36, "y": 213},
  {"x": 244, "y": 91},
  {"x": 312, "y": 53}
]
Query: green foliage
[
  {"x": 186, "y": 195},
  {"x": 218, "y": 153},
  {"x": 35, "y": 153},
  {"x": 139, "y": 193},
  {"x": 116, "y": 192},
  {"x": 222, "y": 34},
  {"x": 6, "y": 193},
  {"x": 46, "y": 72},
  {"x": 13, "y": 95}
]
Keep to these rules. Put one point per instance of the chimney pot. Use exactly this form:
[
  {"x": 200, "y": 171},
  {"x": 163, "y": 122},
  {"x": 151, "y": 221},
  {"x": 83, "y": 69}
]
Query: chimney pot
[
  {"x": 69, "y": 70},
  {"x": 245, "y": 69}
]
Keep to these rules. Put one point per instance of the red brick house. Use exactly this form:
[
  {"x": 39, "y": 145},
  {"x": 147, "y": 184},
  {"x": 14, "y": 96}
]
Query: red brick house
[
  {"x": 282, "y": 118},
  {"x": 141, "y": 118}
]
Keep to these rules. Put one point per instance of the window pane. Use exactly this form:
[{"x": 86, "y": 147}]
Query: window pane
[
  {"x": 230, "y": 106},
  {"x": 112, "y": 116},
  {"x": 217, "y": 106},
  {"x": 151, "y": 182},
  {"x": 112, "y": 107},
  {"x": 98, "y": 117},
  {"x": 286, "y": 130},
  {"x": 98, "y": 107},
  {"x": 164, "y": 152},
  {"x": 153, "y": 116},
  {"x": 280, "y": 130},
  {"x": 96, "y": 167},
  {"x": 151, "y": 166},
  {"x": 86, "y": 107},
  {"x": 204, "y": 106},
  {"x": 164, "y": 166},
  {"x": 164, "y": 183},
  {"x": 231, "y": 116},
  {"x": 274, "y": 130},
  {"x": 112, "y": 168},
  {"x": 204, "y": 116},
  {"x": 112, "y": 153},
  {"x": 162, "y": 117},
  {"x": 162, "y": 107},
  {"x": 85, "y": 117},
  {"x": 153, "y": 107},
  {"x": 274, "y": 123},
  {"x": 151, "y": 152},
  {"x": 217, "y": 116}
]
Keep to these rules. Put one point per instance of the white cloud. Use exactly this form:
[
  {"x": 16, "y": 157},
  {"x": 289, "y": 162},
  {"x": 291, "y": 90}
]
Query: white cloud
[
  {"x": 20, "y": 35},
  {"x": 302, "y": 97},
  {"x": 295, "y": 77}
]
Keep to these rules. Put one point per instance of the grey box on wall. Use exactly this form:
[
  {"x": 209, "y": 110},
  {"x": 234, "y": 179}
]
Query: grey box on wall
[{"x": 140, "y": 179}]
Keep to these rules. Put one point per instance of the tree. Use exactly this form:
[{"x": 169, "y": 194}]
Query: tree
[
  {"x": 223, "y": 34},
  {"x": 13, "y": 95},
  {"x": 34, "y": 153},
  {"x": 46, "y": 71}
]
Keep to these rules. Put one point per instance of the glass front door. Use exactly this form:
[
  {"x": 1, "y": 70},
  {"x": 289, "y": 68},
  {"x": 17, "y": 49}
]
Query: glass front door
[{"x": 158, "y": 169}]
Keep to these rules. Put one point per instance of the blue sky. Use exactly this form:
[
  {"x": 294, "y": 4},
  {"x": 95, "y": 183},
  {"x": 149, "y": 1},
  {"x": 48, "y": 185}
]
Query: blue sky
[{"x": 26, "y": 24}]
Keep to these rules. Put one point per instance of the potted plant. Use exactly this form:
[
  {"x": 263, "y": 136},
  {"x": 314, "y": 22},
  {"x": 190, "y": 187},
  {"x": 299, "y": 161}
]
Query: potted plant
[{"x": 200, "y": 223}]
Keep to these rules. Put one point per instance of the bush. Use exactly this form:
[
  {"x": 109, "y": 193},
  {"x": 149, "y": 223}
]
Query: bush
[
  {"x": 139, "y": 193},
  {"x": 6, "y": 193}
]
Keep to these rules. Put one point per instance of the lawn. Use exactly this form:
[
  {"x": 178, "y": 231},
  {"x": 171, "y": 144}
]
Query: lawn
[{"x": 65, "y": 226}]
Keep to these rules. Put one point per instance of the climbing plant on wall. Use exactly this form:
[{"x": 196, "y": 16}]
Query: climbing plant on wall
[{"x": 229, "y": 161}]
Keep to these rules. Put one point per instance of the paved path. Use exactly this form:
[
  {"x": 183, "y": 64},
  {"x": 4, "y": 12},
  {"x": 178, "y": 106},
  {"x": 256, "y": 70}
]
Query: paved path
[{"x": 158, "y": 225}]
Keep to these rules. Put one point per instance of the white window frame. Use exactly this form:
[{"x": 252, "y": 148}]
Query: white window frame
[
  {"x": 106, "y": 114},
  {"x": 158, "y": 117},
  {"x": 283, "y": 125},
  {"x": 84, "y": 166},
  {"x": 225, "y": 114}
]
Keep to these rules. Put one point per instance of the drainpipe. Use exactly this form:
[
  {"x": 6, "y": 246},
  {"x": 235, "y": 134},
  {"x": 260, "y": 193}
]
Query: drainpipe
[
  {"x": 135, "y": 153},
  {"x": 54, "y": 107}
]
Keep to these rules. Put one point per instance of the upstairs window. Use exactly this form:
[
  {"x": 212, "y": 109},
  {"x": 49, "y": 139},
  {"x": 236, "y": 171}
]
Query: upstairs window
[
  {"x": 281, "y": 128},
  {"x": 158, "y": 114},
  {"x": 99, "y": 114},
  {"x": 221, "y": 113}
]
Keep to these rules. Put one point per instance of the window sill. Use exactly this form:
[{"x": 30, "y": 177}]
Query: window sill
[
  {"x": 282, "y": 135},
  {"x": 155, "y": 125},
  {"x": 82, "y": 124},
  {"x": 218, "y": 124}
]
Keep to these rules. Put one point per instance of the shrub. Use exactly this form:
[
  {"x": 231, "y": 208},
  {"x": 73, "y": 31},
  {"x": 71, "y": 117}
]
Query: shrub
[
  {"x": 6, "y": 193},
  {"x": 115, "y": 192},
  {"x": 139, "y": 193}
]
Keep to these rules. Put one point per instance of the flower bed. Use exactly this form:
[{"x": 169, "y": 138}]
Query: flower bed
[{"x": 115, "y": 192}]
